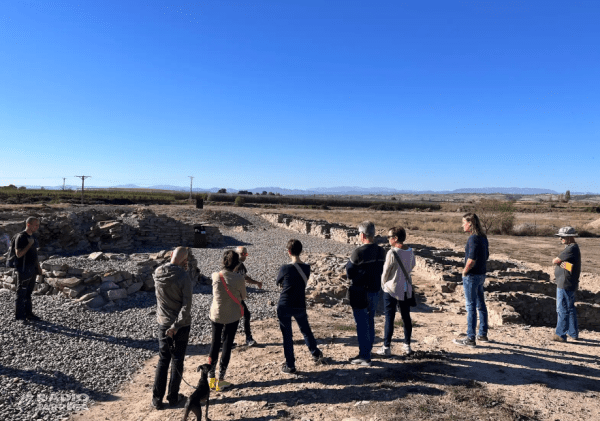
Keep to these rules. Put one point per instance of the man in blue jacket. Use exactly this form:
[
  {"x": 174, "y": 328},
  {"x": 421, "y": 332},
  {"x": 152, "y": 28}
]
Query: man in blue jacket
[{"x": 364, "y": 270}]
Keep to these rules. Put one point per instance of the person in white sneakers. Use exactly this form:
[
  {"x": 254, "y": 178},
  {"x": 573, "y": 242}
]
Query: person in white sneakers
[{"x": 397, "y": 288}]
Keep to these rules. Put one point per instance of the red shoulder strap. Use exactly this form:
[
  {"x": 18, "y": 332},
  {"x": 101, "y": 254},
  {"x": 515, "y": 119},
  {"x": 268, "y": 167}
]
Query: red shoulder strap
[{"x": 230, "y": 294}]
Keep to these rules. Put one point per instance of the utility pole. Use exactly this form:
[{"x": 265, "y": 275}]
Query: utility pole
[
  {"x": 64, "y": 182},
  {"x": 191, "y": 179},
  {"x": 83, "y": 177}
]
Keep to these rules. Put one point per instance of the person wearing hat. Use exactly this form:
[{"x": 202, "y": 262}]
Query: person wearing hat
[{"x": 566, "y": 271}]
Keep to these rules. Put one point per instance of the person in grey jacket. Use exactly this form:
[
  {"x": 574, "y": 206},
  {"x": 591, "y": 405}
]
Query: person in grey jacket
[{"x": 174, "y": 315}]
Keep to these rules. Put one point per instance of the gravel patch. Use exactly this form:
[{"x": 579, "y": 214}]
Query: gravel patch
[{"x": 75, "y": 354}]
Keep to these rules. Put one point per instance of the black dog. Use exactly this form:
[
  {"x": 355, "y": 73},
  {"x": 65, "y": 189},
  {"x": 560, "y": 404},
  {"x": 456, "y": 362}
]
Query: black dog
[{"x": 200, "y": 395}]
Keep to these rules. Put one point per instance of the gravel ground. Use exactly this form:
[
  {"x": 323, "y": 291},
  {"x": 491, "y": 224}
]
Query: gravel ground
[{"x": 49, "y": 367}]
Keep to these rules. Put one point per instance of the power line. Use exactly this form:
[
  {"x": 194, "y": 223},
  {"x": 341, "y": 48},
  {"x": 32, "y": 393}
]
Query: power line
[{"x": 83, "y": 177}]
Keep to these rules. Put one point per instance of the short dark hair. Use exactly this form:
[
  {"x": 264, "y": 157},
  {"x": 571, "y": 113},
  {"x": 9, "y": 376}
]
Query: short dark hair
[
  {"x": 399, "y": 233},
  {"x": 294, "y": 247},
  {"x": 230, "y": 260},
  {"x": 31, "y": 220}
]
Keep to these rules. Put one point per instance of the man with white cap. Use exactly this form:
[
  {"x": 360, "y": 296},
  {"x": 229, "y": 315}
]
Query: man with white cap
[{"x": 566, "y": 271}]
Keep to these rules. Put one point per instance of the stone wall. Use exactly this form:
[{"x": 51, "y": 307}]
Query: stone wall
[
  {"x": 322, "y": 229},
  {"x": 97, "y": 289}
]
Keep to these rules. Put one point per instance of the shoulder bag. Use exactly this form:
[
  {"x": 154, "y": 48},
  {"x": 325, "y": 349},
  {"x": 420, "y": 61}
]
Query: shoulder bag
[
  {"x": 412, "y": 301},
  {"x": 230, "y": 294}
]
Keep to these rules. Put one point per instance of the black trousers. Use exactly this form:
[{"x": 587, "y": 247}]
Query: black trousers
[
  {"x": 167, "y": 357},
  {"x": 228, "y": 332},
  {"x": 25, "y": 286}
]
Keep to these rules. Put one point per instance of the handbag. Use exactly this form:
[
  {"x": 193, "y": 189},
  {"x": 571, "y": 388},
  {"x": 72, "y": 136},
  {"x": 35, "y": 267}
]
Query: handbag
[
  {"x": 230, "y": 294},
  {"x": 412, "y": 301}
]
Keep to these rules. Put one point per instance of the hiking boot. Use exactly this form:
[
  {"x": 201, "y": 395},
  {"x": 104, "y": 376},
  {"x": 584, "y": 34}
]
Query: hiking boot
[
  {"x": 385, "y": 351},
  {"x": 222, "y": 385},
  {"x": 250, "y": 342},
  {"x": 175, "y": 402},
  {"x": 557, "y": 338},
  {"x": 360, "y": 361},
  {"x": 318, "y": 358},
  {"x": 465, "y": 342},
  {"x": 482, "y": 338},
  {"x": 157, "y": 404},
  {"x": 33, "y": 318},
  {"x": 287, "y": 370},
  {"x": 406, "y": 349},
  {"x": 212, "y": 383}
]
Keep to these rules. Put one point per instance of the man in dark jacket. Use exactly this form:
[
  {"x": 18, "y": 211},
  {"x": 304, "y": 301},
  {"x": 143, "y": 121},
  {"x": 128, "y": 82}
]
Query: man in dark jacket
[
  {"x": 364, "y": 270},
  {"x": 566, "y": 272},
  {"x": 174, "y": 315},
  {"x": 27, "y": 267}
]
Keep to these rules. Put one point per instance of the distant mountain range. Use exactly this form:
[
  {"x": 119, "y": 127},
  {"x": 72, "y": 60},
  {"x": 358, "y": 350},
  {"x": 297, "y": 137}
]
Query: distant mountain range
[{"x": 344, "y": 190}]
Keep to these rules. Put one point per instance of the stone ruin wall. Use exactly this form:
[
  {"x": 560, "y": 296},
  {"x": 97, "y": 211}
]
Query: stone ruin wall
[
  {"x": 80, "y": 232},
  {"x": 514, "y": 293},
  {"x": 322, "y": 229}
]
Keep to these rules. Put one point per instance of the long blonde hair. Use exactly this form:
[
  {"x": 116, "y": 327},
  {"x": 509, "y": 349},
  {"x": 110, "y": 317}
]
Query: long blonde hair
[{"x": 476, "y": 228}]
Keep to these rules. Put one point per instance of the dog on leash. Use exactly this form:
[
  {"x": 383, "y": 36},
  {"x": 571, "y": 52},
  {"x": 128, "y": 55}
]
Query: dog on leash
[{"x": 200, "y": 395}]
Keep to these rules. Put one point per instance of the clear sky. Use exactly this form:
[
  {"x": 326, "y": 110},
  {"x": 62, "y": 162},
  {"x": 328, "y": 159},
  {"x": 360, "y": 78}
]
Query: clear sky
[{"x": 411, "y": 95}]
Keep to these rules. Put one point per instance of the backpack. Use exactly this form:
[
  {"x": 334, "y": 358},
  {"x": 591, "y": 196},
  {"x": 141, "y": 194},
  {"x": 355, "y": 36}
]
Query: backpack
[{"x": 11, "y": 261}]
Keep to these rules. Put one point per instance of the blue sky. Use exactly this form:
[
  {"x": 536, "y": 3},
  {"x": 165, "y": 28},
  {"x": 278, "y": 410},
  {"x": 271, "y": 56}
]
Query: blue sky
[{"x": 411, "y": 95}]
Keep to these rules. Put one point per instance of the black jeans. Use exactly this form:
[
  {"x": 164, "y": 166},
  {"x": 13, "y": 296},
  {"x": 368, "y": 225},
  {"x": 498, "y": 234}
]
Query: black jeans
[
  {"x": 25, "y": 286},
  {"x": 285, "y": 314},
  {"x": 390, "y": 304},
  {"x": 246, "y": 323},
  {"x": 228, "y": 337},
  {"x": 174, "y": 358}
]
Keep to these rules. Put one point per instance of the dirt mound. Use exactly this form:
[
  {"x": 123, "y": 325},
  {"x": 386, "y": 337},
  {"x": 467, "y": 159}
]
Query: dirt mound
[{"x": 595, "y": 224}]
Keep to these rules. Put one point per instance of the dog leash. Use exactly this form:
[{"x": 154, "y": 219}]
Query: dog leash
[{"x": 171, "y": 343}]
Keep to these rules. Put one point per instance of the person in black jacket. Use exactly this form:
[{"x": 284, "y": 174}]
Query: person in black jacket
[
  {"x": 27, "y": 268},
  {"x": 566, "y": 271},
  {"x": 292, "y": 280},
  {"x": 364, "y": 270}
]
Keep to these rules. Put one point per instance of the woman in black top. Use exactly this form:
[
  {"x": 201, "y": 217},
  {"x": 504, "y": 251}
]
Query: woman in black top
[{"x": 292, "y": 279}]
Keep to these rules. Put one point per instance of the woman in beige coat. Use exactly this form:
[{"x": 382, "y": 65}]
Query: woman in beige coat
[{"x": 229, "y": 289}]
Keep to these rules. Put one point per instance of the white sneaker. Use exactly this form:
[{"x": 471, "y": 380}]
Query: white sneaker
[
  {"x": 385, "y": 351},
  {"x": 406, "y": 349}
]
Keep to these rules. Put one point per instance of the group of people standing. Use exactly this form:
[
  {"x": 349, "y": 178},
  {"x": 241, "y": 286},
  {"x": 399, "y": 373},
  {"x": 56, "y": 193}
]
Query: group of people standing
[{"x": 371, "y": 272}]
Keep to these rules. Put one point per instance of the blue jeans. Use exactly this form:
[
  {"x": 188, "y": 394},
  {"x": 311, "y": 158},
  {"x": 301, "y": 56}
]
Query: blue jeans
[
  {"x": 567, "y": 315},
  {"x": 365, "y": 326},
  {"x": 473, "y": 286},
  {"x": 285, "y": 314},
  {"x": 390, "y": 305}
]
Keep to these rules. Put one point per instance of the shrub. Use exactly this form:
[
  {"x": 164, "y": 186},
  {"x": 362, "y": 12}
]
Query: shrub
[
  {"x": 222, "y": 191},
  {"x": 496, "y": 216},
  {"x": 239, "y": 201}
]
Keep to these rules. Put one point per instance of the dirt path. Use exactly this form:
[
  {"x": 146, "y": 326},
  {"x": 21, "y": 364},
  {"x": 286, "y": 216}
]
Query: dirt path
[{"x": 519, "y": 375}]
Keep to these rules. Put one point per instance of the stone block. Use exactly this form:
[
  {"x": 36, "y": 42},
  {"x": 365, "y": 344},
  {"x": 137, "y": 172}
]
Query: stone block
[
  {"x": 95, "y": 302},
  {"x": 116, "y": 294},
  {"x": 97, "y": 256},
  {"x": 108, "y": 286},
  {"x": 75, "y": 271},
  {"x": 135, "y": 287},
  {"x": 112, "y": 277},
  {"x": 68, "y": 282}
]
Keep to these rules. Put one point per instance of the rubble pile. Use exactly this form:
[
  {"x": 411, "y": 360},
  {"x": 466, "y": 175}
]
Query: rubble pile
[
  {"x": 97, "y": 288},
  {"x": 116, "y": 230}
]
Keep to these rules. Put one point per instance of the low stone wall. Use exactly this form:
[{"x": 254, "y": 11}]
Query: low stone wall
[
  {"x": 322, "y": 229},
  {"x": 97, "y": 289}
]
